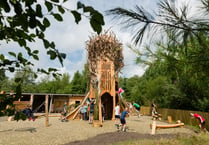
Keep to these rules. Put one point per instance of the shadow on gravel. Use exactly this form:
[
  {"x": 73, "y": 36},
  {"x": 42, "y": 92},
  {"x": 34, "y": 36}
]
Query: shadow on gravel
[
  {"x": 30, "y": 129},
  {"x": 110, "y": 138},
  {"x": 6, "y": 130}
]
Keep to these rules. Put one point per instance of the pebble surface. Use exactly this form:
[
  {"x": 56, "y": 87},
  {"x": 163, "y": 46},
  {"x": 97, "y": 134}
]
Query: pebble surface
[{"x": 36, "y": 133}]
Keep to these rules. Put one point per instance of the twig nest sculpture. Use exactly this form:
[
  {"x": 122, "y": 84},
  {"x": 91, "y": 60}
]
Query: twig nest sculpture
[{"x": 101, "y": 47}]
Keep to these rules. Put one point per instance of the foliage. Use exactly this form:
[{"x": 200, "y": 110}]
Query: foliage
[
  {"x": 169, "y": 18},
  {"x": 177, "y": 65},
  {"x": 23, "y": 22}
]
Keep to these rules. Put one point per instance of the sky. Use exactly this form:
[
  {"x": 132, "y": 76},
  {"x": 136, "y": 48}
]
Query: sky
[{"x": 70, "y": 37}]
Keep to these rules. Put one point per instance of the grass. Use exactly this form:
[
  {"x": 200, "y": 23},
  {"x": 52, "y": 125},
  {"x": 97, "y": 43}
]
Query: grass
[{"x": 199, "y": 139}]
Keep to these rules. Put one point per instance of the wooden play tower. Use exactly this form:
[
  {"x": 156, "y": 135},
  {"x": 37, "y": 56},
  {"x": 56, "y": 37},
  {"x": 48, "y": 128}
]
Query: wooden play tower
[{"x": 105, "y": 60}]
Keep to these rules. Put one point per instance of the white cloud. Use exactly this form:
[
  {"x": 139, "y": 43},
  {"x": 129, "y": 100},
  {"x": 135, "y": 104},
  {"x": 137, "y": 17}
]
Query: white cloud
[{"x": 70, "y": 38}]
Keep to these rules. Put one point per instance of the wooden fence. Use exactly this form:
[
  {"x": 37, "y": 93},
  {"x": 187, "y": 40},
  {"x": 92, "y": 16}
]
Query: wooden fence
[{"x": 182, "y": 115}]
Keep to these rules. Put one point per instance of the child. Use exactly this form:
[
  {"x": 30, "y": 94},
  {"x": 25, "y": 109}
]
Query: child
[
  {"x": 137, "y": 107},
  {"x": 202, "y": 121},
  {"x": 123, "y": 120},
  {"x": 29, "y": 113},
  {"x": 117, "y": 114},
  {"x": 120, "y": 92}
]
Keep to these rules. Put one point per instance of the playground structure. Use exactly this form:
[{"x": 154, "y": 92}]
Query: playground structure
[
  {"x": 155, "y": 126},
  {"x": 105, "y": 60}
]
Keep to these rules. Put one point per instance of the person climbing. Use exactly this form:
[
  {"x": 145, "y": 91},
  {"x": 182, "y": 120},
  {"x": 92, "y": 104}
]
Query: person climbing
[
  {"x": 64, "y": 112},
  {"x": 137, "y": 108},
  {"x": 120, "y": 92},
  {"x": 123, "y": 120},
  {"x": 29, "y": 113},
  {"x": 201, "y": 120}
]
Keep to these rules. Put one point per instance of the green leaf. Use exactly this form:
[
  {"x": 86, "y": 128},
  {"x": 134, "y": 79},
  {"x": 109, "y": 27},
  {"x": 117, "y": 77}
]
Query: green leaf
[
  {"x": 98, "y": 18},
  {"x": 46, "y": 22},
  {"x": 80, "y": 5},
  {"x": 58, "y": 17},
  {"x": 5, "y": 5},
  {"x": 38, "y": 11},
  {"x": 52, "y": 54},
  {"x": 88, "y": 9},
  {"x": 2, "y": 57},
  {"x": 18, "y": 80},
  {"x": 32, "y": 21},
  {"x": 52, "y": 45},
  {"x": 77, "y": 16},
  {"x": 35, "y": 51},
  {"x": 22, "y": 42},
  {"x": 46, "y": 43},
  {"x": 52, "y": 69},
  {"x": 96, "y": 22},
  {"x": 63, "y": 55},
  {"x": 61, "y": 10},
  {"x": 12, "y": 54},
  {"x": 56, "y": 1},
  {"x": 36, "y": 57},
  {"x": 42, "y": 71},
  {"x": 49, "y": 6},
  {"x": 19, "y": 56},
  {"x": 11, "y": 69}
]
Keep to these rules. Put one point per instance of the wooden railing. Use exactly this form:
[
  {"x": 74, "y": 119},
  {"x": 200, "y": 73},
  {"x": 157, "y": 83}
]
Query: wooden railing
[
  {"x": 20, "y": 105},
  {"x": 176, "y": 114}
]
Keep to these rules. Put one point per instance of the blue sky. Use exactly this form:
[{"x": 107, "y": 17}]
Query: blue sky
[{"x": 70, "y": 38}]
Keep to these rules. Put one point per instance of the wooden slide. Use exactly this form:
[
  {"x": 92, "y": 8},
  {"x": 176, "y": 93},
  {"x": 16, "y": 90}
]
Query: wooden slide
[{"x": 73, "y": 114}]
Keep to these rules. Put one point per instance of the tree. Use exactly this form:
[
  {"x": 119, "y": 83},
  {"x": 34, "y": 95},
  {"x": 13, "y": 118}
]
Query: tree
[
  {"x": 168, "y": 19},
  {"x": 180, "y": 59},
  {"x": 76, "y": 84},
  {"x": 26, "y": 21}
]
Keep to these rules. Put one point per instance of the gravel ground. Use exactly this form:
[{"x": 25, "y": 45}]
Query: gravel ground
[{"x": 78, "y": 132}]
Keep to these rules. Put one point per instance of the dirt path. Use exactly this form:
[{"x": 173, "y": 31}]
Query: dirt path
[{"x": 79, "y": 132}]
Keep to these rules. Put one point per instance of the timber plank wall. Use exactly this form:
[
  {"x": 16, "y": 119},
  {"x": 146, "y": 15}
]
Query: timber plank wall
[
  {"x": 36, "y": 99},
  {"x": 176, "y": 114}
]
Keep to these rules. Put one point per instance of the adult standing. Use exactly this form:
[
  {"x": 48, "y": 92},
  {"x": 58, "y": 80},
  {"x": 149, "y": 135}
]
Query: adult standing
[
  {"x": 91, "y": 111},
  {"x": 82, "y": 111},
  {"x": 85, "y": 111}
]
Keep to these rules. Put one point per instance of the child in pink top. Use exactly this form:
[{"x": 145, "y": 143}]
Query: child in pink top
[{"x": 201, "y": 119}]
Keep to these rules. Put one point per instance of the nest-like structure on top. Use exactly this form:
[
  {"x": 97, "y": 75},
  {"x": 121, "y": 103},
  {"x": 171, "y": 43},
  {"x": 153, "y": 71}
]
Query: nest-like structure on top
[{"x": 101, "y": 47}]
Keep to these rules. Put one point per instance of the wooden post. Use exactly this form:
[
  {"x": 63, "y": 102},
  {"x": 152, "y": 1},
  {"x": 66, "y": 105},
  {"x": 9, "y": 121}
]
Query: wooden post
[
  {"x": 169, "y": 119},
  {"x": 153, "y": 128},
  {"x": 31, "y": 101},
  {"x": 46, "y": 110},
  {"x": 50, "y": 106}
]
